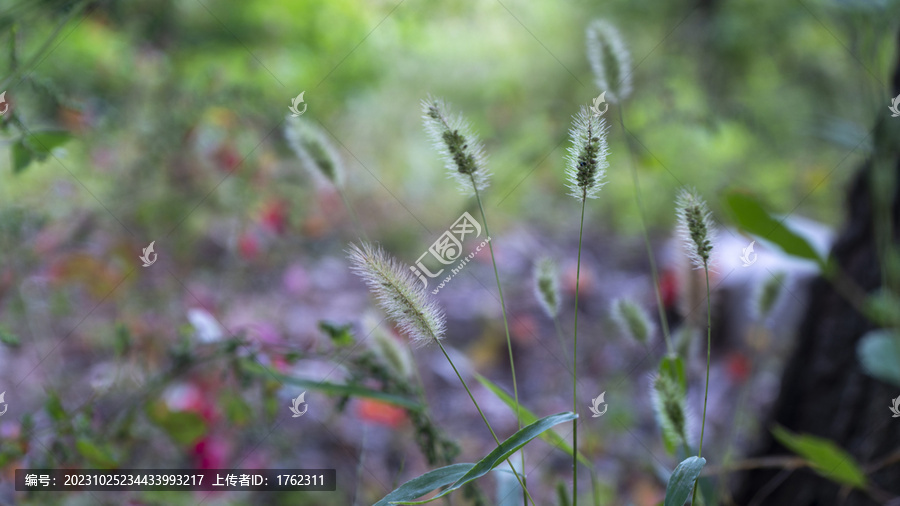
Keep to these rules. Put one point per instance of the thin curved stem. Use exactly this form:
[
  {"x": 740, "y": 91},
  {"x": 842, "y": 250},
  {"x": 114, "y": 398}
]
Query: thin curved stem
[
  {"x": 575, "y": 359},
  {"x": 486, "y": 422},
  {"x": 353, "y": 215},
  {"x": 706, "y": 391},
  {"x": 512, "y": 364}
]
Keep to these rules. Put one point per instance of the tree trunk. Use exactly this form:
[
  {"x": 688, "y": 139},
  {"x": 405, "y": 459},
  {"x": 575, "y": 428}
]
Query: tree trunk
[{"x": 824, "y": 390}]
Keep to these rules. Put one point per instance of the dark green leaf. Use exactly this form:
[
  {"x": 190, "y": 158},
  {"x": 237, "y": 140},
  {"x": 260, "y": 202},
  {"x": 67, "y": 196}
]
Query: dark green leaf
[
  {"x": 502, "y": 452},
  {"x": 341, "y": 335},
  {"x": 879, "y": 352},
  {"x": 21, "y": 157},
  {"x": 681, "y": 483},
  {"x": 42, "y": 143},
  {"x": 826, "y": 458},
  {"x": 528, "y": 417},
  {"x": 330, "y": 388},
  {"x": 419, "y": 486},
  {"x": 751, "y": 216},
  {"x": 55, "y": 408}
]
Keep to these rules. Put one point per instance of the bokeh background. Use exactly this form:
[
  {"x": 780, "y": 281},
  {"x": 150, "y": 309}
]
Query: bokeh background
[{"x": 139, "y": 121}]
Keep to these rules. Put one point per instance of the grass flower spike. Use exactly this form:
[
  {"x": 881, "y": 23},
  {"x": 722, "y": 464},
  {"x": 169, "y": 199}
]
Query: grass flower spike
[
  {"x": 695, "y": 227},
  {"x": 315, "y": 151},
  {"x": 609, "y": 59},
  {"x": 586, "y": 168},
  {"x": 671, "y": 410},
  {"x": 632, "y": 320},
  {"x": 460, "y": 148},
  {"x": 546, "y": 286},
  {"x": 398, "y": 293}
]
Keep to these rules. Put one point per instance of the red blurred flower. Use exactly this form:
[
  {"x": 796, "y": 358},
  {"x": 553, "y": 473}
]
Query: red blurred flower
[
  {"x": 248, "y": 246},
  {"x": 274, "y": 216},
  {"x": 380, "y": 413},
  {"x": 211, "y": 452},
  {"x": 738, "y": 367}
]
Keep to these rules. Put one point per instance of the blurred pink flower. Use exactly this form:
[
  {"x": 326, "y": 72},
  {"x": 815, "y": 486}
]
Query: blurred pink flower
[{"x": 295, "y": 279}]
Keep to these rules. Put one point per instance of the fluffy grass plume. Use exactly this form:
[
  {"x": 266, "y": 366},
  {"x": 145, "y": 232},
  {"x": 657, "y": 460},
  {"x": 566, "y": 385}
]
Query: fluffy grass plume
[
  {"x": 586, "y": 163},
  {"x": 670, "y": 408},
  {"x": 546, "y": 286},
  {"x": 695, "y": 227},
  {"x": 457, "y": 144},
  {"x": 398, "y": 293},
  {"x": 315, "y": 151},
  {"x": 632, "y": 320},
  {"x": 393, "y": 353},
  {"x": 610, "y": 60}
]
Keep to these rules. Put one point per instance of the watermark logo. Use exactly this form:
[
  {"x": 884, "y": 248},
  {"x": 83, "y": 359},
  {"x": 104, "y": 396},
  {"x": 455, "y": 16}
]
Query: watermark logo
[
  {"x": 894, "y": 106},
  {"x": 295, "y": 102},
  {"x": 895, "y": 409},
  {"x": 596, "y": 107},
  {"x": 295, "y": 407},
  {"x": 748, "y": 256},
  {"x": 4, "y": 105},
  {"x": 595, "y": 405},
  {"x": 146, "y": 256},
  {"x": 3, "y": 401},
  {"x": 447, "y": 249}
]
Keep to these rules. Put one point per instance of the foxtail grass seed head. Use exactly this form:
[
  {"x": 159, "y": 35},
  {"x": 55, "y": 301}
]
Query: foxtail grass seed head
[
  {"x": 632, "y": 320},
  {"x": 546, "y": 286},
  {"x": 695, "y": 227},
  {"x": 398, "y": 293},
  {"x": 609, "y": 59},
  {"x": 315, "y": 151},
  {"x": 586, "y": 167},
  {"x": 388, "y": 349},
  {"x": 457, "y": 144},
  {"x": 768, "y": 294},
  {"x": 670, "y": 408}
]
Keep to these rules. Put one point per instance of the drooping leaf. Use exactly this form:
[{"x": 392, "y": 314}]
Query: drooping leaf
[
  {"x": 752, "y": 217},
  {"x": 185, "y": 427},
  {"x": 255, "y": 367},
  {"x": 502, "y": 452},
  {"x": 96, "y": 455},
  {"x": 528, "y": 417},
  {"x": 879, "y": 352},
  {"x": 826, "y": 458},
  {"x": 428, "y": 482},
  {"x": 681, "y": 483}
]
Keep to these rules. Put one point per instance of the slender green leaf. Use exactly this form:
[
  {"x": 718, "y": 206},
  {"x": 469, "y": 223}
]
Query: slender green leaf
[
  {"x": 879, "y": 352},
  {"x": 502, "y": 452},
  {"x": 752, "y": 217},
  {"x": 826, "y": 458},
  {"x": 330, "y": 388},
  {"x": 681, "y": 483},
  {"x": 528, "y": 417},
  {"x": 421, "y": 485}
]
